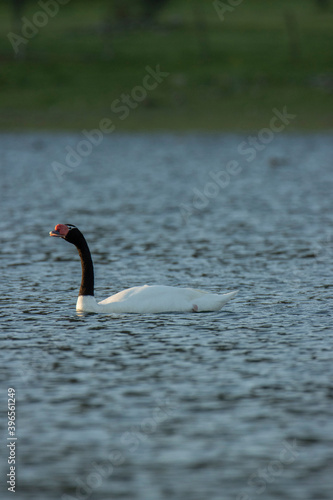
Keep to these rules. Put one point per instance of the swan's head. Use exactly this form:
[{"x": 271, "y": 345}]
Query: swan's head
[{"x": 68, "y": 232}]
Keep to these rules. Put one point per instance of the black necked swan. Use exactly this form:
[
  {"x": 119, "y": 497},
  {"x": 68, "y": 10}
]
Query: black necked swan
[{"x": 139, "y": 299}]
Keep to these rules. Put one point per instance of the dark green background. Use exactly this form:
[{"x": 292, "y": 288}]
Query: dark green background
[{"x": 224, "y": 74}]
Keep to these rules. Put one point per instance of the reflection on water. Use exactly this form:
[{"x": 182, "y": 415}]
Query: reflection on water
[{"x": 235, "y": 404}]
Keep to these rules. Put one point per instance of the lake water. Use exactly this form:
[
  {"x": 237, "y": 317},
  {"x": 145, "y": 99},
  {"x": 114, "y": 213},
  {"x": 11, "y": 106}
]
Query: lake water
[{"x": 236, "y": 404}]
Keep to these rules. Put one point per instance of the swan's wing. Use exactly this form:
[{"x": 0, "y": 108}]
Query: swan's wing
[
  {"x": 159, "y": 298},
  {"x": 150, "y": 299}
]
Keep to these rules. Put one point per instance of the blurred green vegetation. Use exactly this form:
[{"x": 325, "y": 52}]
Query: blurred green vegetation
[{"x": 224, "y": 74}]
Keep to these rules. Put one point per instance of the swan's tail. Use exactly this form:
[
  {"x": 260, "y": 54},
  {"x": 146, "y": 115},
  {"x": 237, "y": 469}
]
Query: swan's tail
[{"x": 213, "y": 302}]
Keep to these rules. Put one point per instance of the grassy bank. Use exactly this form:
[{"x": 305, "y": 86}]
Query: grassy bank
[{"x": 223, "y": 74}]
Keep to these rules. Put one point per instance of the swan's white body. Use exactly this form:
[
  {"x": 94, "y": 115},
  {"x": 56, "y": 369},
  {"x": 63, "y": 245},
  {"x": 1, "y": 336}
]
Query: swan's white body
[{"x": 155, "y": 299}]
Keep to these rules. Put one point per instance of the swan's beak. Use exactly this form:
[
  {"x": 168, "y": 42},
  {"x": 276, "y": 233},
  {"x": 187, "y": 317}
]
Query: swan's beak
[{"x": 55, "y": 233}]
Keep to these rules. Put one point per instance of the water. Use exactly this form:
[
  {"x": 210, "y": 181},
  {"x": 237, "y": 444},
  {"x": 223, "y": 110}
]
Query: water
[{"x": 229, "y": 405}]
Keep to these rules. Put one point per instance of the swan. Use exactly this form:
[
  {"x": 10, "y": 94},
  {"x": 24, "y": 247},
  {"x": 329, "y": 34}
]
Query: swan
[{"x": 138, "y": 299}]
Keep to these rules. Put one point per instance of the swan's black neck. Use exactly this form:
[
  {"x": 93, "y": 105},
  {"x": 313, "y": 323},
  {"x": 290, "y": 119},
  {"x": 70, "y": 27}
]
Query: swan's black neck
[{"x": 87, "y": 282}]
